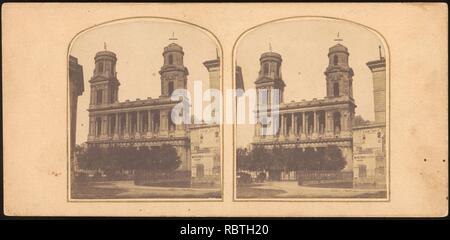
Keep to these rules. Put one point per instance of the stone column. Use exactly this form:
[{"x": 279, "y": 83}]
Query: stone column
[
  {"x": 93, "y": 96},
  {"x": 138, "y": 124},
  {"x": 344, "y": 121},
  {"x": 303, "y": 135},
  {"x": 292, "y": 125},
  {"x": 104, "y": 132},
  {"x": 104, "y": 96},
  {"x": 91, "y": 134},
  {"x": 163, "y": 123},
  {"x": 108, "y": 126},
  {"x": 94, "y": 128},
  {"x": 278, "y": 129},
  {"x": 307, "y": 123},
  {"x": 281, "y": 125},
  {"x": 286, "y": 130},
  {"x": 127, "y": 125},
  {"x": 345, "y": 131},
  {"x": 315, "y": 122},
  {"x": 329, "y": 125},
  {"x": 116, "y": 128},
  {"x": 149, "y": 124},
  {"x": 90, "y": 127}
]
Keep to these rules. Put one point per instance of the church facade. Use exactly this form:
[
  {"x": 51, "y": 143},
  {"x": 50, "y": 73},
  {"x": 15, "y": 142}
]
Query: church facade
[
  {"x": 143, "y": 122},
  {"x": 316, "y": 123},
  {"x": 148, "y": 122}
]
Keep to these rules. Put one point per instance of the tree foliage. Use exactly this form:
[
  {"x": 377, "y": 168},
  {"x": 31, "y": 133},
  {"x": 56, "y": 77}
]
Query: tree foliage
[
  {"x": 290, "y": 159},
  {"x": 164, "y": 158},
  {"x": 359, "y": 121}
]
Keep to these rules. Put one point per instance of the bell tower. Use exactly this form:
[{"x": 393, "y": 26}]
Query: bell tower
[
  {"x": 269, "y": 77},
  {"x": 339, "y": 75},
  {"x": 269, "y": 80},
  {"x": 173, "y": 72},
  {"x": 104, "y": 82}
]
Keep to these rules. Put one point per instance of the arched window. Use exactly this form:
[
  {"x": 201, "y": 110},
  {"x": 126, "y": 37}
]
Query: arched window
[
  {"x": 112, "y": 123},
  {"x": 170, "y": 59},
  {"x": 337, "y": 122},
  {"x": 335, "y": 60},
  {"x": 112, "y": 96},
  {"x": 99, "y": 96},
  {"x": 266, "y": 69},
  {"x": 336, "y": 89},
  {"x": 171, "y": 88},
  {"x": 200, "y": 170},
  {"x": 100, "y": 67},
  {"x": 98, "y": 122}
]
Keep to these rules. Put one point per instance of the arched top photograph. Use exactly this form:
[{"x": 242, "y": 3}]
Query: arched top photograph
[
  {"x": 322, "y": 82},
  {"x": 124, "y": 117}
]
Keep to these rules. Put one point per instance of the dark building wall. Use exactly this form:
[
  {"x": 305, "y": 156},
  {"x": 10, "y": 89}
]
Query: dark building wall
[{"x": 76, "y": 88}]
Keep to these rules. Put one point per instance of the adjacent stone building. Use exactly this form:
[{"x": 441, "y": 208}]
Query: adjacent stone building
[
  {"x": 369, "y": 155},
  {"x": 76, "y": 88},
  {"x": 369, "y": 140},
  {"x": 206, "y": 141},
  {"x": 205, "y": 154}
]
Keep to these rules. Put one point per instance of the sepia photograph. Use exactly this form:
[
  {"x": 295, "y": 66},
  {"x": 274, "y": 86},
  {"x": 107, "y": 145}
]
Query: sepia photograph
[
  {"x": 124, "y": 140},
  {"x": 225, "y": 110},
  {"x": 322, "y": 83}
]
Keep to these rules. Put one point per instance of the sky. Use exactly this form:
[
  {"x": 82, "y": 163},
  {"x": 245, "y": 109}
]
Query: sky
[
  {"x": 138, "y": 45},
  {"x": 303, "y": 45}
]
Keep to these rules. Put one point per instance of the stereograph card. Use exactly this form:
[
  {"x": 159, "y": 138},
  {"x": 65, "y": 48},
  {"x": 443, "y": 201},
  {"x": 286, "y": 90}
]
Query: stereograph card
[{"x": 284, "y": 110}]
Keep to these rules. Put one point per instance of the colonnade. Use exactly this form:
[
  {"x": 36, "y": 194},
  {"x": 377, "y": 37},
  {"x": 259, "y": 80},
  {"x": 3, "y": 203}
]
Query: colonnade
[
  {"x": 313, "y": 124},
  {"x": 131, "y": 124}
]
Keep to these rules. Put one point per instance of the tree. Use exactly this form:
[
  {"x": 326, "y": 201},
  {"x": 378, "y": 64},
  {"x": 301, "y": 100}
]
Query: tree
[
  {"x": 329, "y": 158},
  {"x": 359, "y": 121},
  {"x": 259, "y": 158},
  {"x": 296, "y": 157},
  {"x": 167, "y": 158},
  {"x": 91, "y": 159},
  {"x": 164, "y": 158},
  {"x": 277, "y": 159},
  {"x": 144, "y": 159},
  {"x": 334, "y": 159},
  {"x": 243, "y": 160},
  {"x": 128, "y": 158}
]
